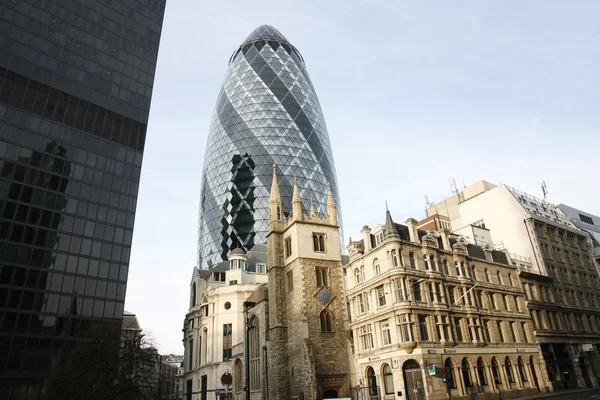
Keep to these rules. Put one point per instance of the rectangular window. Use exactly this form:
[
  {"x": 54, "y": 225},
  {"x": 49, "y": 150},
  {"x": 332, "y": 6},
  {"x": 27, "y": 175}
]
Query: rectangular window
[
  {"x": 397, "y": 282},
  {"x": 261, "y": 268},
  {"x": 492, "y": 301},
  {"x": 361, "y": 304},
  {"x": 505, "y": 302},
  {"x": 380, "y": 295},
  {"x": 367, "y": 337},
  {"x": 191, "y": 355},
  {"x": 405, "y": 328},
  {"x": 290, "y": 281},
  {"x": 385, "y": 333},
  {"x": 431, "y": 296},
  {"x": 422, "y": 321},
  {"x": 288, "y": 247},
  {"x": 233, "y": 282},
  {"x": 451, "y": 295},
  {"x": 500, "y": 333},
  {"x": 458, "y": 329},
  {"x": 416, "y": 289},
  {"x": 486, "y": 330},
  {"x": 439, "y": 293},
  {"x": 227, "y": 334},
  {"x": 513, "y": 330}
]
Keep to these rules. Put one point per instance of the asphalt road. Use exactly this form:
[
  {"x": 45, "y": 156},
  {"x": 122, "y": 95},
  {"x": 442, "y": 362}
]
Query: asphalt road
[{"x": 592, "y": 395}]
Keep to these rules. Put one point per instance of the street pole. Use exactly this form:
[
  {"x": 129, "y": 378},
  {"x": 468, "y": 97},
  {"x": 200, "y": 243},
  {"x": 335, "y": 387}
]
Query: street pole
[{"x": 247, "y": 305}]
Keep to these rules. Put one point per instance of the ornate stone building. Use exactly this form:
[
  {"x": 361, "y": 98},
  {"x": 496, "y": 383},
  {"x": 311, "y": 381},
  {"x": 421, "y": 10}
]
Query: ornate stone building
[
  {"x": 428, "y": 306},
  {"x": 556, "y": 267},
  {"x": 308, "y": 345},
  {"x": 215, "y": 321}
]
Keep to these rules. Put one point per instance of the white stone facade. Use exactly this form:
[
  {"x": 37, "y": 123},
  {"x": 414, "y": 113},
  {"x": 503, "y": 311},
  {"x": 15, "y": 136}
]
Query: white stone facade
[{"x": 214, "y": 323}]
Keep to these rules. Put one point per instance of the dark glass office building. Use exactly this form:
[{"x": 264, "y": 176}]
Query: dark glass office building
[
  {"x": 76, "y": 80},
  {"x": 267, "y": 113}
]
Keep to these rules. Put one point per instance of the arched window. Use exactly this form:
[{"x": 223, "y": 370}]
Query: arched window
[
  {"x": 394, "y": 258},
  {"x": 495, "y": 371},
  {"x": 411, "y": 258},
  {"x": 376, "y": 267},
  {"x": 450, "y": 373},
  {"x": 432, "y": 263},
  {"x": 363, "y": 277},
  {"x": 466, "y": 373},
  {"x": 193, "y": 295},
  {"x": 499, "y": 278},
  {"x": 254, "y": 346},
  {"x": 521, "y": 367},
  {"x": 372, "y": 381},
  {"x": 446, "y": 272},
  {"x": 238, "y": 376},
  {"x": 487, "y": 275},
  {"x": 426, "y": 261},
  {"x": 457, "y": 268},
  {"x": 357, "y": 276},
  {"x": 326, "y": 318},
  {"x": 481, "y": 372},
  {"x": 319, "y": 242},
  {"x": 388, "y": 379},
  {"x": 510, "y": 281},
  {"x": 508, "y": 367}
]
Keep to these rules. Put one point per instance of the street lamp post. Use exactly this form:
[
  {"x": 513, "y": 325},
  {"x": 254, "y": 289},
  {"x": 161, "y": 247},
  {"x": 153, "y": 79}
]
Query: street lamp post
[{"x": 247, "y": 305}]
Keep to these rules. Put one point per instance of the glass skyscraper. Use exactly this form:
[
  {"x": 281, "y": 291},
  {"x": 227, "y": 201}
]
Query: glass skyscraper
[
  {"x": 76, "y": 80},
  {"x": 267, "y": 113}
]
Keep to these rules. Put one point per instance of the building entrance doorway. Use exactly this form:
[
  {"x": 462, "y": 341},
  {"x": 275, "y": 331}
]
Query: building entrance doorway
[
  {"x": 204, "y": 387},
  {"x": 330, "y": 394},
  {"x": 535, "y": 379},
  {"x": 413, "y": 380},
  {"x": 583, "y": 365},
  {"x": 372, "y": 381}
]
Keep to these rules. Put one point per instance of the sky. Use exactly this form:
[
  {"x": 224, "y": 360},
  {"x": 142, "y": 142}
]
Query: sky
[{"x": 414, "y": 93}]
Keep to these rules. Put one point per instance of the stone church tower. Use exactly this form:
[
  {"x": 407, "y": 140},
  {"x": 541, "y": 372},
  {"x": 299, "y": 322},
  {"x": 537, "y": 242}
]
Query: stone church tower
[{"x": 309, "y": 349}]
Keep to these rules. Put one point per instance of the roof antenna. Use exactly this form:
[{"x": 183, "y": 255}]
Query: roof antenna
[{"x": 545, "y": 191}]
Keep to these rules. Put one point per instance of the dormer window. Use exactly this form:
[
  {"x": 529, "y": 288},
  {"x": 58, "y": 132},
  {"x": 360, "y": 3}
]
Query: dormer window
[
  {"x": 319, "y": 242},
  {"x": 261, "y": 268},
  {"x": 488, "y": 255},
  {"x": 219, "y": 276}
]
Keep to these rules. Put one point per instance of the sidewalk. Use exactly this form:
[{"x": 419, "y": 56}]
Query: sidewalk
[{"x": 563, "y": 394}]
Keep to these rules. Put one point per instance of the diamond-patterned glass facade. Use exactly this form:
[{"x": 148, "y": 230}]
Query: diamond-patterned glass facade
[{"x": 267, "y": 113}]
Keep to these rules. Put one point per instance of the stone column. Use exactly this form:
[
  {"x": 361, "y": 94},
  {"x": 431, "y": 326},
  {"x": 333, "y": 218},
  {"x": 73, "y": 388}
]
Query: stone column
[
  {"x": 476, "y": 378},
  {"x": 504, "y": 377},
  {"x": 458, "y": 379},
  {"x": 594, "y": 357},
  {"x": 491, "y": 378},
  {"x": 403, "y": 287}
]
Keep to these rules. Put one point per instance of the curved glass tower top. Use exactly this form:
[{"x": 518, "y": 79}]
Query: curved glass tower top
[{"x": 267, "y": 113}]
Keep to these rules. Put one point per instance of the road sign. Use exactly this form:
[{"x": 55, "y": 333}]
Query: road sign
[{"x": 431, "y": 368}]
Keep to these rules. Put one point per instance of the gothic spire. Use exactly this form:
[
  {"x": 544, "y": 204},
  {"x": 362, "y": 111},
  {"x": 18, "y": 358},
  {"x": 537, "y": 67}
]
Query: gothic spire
[{"x": 390, "y": 227}]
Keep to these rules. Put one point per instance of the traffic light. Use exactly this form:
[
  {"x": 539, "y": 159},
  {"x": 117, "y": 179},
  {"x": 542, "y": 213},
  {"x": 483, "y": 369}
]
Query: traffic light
[{"x": 444, "y": 376}]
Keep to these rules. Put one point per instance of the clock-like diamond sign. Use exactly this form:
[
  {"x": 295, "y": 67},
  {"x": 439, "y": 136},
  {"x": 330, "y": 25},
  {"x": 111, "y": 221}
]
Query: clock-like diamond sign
[{"x": 324, "y": 295}]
